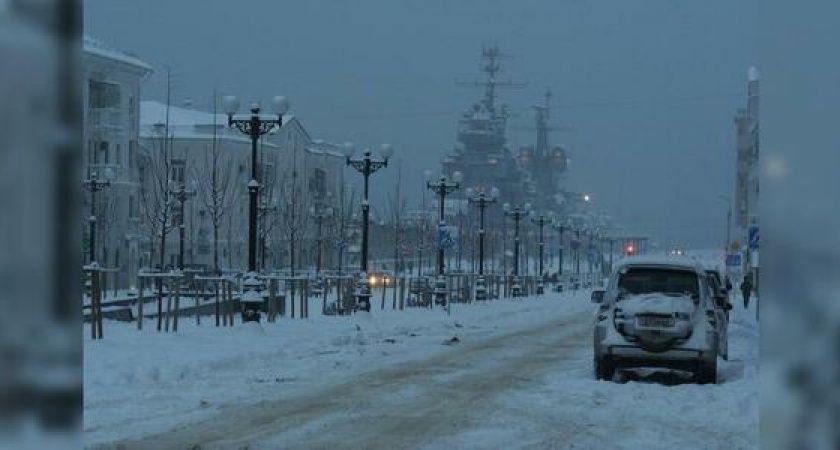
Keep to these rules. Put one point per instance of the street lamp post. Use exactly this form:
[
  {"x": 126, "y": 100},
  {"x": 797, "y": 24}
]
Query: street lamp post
[
  {"x": 577, "y": 252},
  {"x": 421, "y": 228},
  {"x": 541, "y": 220},
  {"x": 366, "y": 165},
  {"x": 254, "y": 126},
  {"x": 561, "y": 228},
  {"x": 264, "y": 209},
  {"x": 94, "y": 185},
  {"x": 591, "y": 253},
  {"x": 182, "y": 194},
  {"x": 442, "y": 188},
  {"x": 517, "y": 214},
  {"x": 481, "y": 201}
]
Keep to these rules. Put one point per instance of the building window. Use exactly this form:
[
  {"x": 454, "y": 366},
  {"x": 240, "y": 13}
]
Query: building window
[
  {"x": 132, "y": 207},
  {"x": 118, "y": 155},
  {"x": 178, "y": 174},
  {"x": 132, "y": 153},
  {"x": 103, "y": 156},
  {"x": 318, "y": 183},
  {"x": 103, "y": 94},
  {"x": 267, "y": 174}
]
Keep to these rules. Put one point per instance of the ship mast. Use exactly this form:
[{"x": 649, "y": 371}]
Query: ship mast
[
  {"x": 491, "y": 66},
  {"x": 543, "y": 115}
]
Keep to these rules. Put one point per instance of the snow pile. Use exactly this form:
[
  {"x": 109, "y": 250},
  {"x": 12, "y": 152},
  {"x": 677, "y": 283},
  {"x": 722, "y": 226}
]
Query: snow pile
[{"x": 656, "y": 303}]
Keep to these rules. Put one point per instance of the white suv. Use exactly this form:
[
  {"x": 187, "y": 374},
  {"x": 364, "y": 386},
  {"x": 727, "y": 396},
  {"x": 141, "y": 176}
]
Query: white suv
[{"x": 657, "y": 313}]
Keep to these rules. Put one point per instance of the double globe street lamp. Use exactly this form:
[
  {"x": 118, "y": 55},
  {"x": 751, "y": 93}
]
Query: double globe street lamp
[
  {"x": 517, "y": 214},
  {"x": 255, "y": 126},
  {"x": 366, "y": 165},
  {"x": 482, "y": 201},
  {"x": 442, "y": 188}
]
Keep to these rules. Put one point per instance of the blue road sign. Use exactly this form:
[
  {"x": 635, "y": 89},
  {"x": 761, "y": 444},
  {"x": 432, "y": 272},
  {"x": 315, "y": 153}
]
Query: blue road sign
[
  {"x": 753, "y": 237},
  {"x": 733, "y": 260},
  {"x": 447, "y": 237}
]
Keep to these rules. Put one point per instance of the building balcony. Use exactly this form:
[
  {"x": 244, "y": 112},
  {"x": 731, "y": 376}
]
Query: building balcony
[
  {"x": 106, "y": 117},
  {"x": 123, "y": 176}
]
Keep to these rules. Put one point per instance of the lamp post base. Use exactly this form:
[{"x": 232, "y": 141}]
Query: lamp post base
[
  {"x": 440, "y": 290},
  {"x": 516, "y": 288},
  {"x": 252, "y": 299},
  {"x": 363, "y": 293},
  {"x": 480, "y": 289}
]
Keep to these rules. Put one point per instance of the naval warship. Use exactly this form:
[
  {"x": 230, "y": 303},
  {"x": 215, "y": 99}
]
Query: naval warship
[{"x": 481, "y": 152}]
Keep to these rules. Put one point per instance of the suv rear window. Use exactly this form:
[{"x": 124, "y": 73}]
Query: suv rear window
[{"x": 653, "y": 280}]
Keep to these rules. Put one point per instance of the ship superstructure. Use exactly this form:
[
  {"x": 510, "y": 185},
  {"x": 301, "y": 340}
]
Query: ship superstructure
[
  {"x": 543, "y": 163},
  {"x": 481, "y": 151}
]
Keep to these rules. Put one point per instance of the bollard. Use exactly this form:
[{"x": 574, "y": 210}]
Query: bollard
[
  {"x": 140, "y": 301},
  {"x": 177, "y": 312}
]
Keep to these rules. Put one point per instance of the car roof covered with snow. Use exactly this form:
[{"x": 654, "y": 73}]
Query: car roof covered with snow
[{"x": 670, "y": 261}]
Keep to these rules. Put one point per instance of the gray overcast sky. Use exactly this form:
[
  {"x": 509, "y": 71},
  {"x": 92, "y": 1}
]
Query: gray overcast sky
[{"x": 649, "y": 87}]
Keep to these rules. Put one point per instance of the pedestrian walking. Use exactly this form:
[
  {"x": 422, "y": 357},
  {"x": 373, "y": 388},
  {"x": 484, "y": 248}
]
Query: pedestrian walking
[{"x": 746, "y": 289}]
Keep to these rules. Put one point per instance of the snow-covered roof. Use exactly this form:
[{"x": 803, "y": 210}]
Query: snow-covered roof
[
  {"x": 96, "y": 47},
  {"x": 320, "y": 146},
  {"x": 660, "y": 260},
  {"x": 187, "y": 123},
  {"x": 154, "y": 112}
]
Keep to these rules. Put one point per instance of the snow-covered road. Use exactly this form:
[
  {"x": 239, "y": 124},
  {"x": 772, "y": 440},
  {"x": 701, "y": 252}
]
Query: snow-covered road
[
  {"x": 405, "y": 406},
  {"x": 520, "y": 377}
]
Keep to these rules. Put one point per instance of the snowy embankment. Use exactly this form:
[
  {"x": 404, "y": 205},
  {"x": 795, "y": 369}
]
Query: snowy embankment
[{"x": 140, "y": 383}]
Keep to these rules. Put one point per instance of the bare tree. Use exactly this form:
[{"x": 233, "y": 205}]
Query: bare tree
[
  {"x": 156, "y": 197},
  {"x": 216, "y": 186},
  {"x": 396, "y": 211},
  {"x": 266, "y": 217},
  {"x": 343, "y": 217},
  {"x": 292, "y": 217},
  {"x": 106, "y": 221}
]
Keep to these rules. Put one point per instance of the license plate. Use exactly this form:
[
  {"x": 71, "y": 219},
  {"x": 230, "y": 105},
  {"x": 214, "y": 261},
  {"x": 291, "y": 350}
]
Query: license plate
[{"x": 656, "y": 322}]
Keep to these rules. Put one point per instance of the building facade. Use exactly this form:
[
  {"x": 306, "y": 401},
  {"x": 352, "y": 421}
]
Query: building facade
[
  {"x": 745, "y": 201},
  {"x": 111, "y": 95},
  {"x": 296, "y": 173}
]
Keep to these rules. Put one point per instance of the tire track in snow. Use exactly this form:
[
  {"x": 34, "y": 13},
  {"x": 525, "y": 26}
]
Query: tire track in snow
[{"x": 404, "y": 406}]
